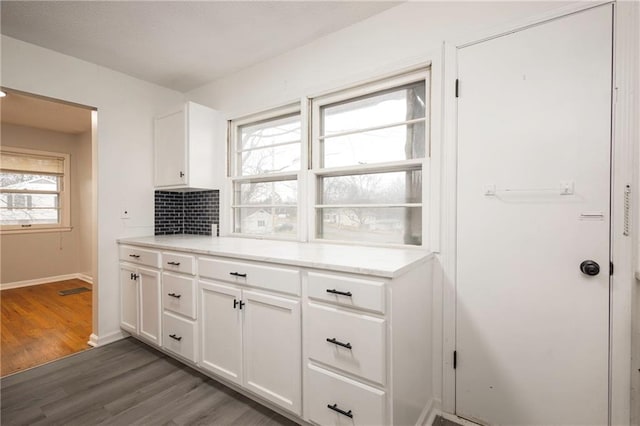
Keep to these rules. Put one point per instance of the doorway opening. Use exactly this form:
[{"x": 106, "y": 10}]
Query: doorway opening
[{"x": 48, "y": 227}]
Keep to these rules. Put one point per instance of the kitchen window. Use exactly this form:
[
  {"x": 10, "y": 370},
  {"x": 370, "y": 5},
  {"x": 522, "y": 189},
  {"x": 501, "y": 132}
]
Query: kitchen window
[
  {"x": 265, "y": 164},
  {"x": 370, "y": 144},
  {"x": 364, "y": 182},
  {"x": 34, "y": 190}
]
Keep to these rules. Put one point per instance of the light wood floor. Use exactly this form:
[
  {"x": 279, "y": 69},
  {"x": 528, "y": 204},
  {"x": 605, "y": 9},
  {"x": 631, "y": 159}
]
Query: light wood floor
[
  {"x": 125, "y": 383},
  {"x": 38, "y": 325}
]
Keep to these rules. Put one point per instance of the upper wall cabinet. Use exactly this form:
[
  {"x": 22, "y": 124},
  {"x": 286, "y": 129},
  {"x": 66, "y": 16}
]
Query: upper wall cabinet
[{"x": 189, "y": 146}]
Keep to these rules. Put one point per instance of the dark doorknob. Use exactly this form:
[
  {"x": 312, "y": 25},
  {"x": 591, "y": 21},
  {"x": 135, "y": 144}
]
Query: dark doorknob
[{"x": 589, "y": 267}]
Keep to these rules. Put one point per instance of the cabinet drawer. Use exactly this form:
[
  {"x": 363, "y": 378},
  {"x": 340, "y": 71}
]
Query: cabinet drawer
[
  {"x": 182, "y": 263},
  {"x": 347, "y": 291},
  {"x": 253, "y": 274},
  {"x": 324, "y": 388},
  {"x": 179, "y": 336},
  {"x": 140, "y": 256},
  {"x": 351, "y": 342},
  {"x": 179, "y": 294}
]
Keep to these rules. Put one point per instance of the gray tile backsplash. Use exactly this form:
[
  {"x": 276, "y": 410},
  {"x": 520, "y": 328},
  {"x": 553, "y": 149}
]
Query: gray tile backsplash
[{"x": 186, "y": 212}]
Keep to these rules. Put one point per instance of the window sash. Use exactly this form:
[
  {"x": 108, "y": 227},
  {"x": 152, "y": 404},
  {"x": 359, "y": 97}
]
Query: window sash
[
  {"x": 414, "y": 234},
  {"x": 37, "y": 163}
]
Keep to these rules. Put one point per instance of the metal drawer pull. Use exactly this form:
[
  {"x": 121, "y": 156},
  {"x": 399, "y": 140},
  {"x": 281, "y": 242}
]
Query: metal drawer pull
[
  {"x": 173, "y": 263},
  {"x": 334, "y": 407},
  {"x": 177, "y": 296},
  {"x": 339, "y": 343},
  {"x": 238, "y": 274},
  {"x": 135, "y": 256},
  {"x": 174, "y": 337},
  {"x": 341, "y": 293}
]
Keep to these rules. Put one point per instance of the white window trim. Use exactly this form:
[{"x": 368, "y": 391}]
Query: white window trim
[
  {"x": 234, "y": 176},
  {"x": 64, "y": 198},
  {"x": 432, "y": 63},
  {"x": 423, "y": 164}
]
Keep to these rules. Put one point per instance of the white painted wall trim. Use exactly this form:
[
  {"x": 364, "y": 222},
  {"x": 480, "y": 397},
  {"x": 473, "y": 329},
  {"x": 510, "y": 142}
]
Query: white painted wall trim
[
  {"x": 95, "y": 340},
  {"x": 46, "y": 280},
  {"x": 625, "y": 138}
]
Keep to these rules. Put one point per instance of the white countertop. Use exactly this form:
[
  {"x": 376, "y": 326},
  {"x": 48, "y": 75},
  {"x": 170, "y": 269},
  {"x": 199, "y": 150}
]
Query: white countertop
[{"x": 379, "y": 261}]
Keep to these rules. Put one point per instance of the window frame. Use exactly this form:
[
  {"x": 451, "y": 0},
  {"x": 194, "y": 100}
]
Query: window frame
[
  {"x": 235, "y": 177},
  {"x": 422, "y": 164},
  {"x": 64, "y": 196}
]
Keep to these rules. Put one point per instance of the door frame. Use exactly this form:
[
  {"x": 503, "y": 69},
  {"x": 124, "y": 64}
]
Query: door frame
[{"x": 624, "y": 172}]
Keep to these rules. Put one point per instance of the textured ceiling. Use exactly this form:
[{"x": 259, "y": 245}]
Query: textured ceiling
[{"x": 178, "y": 44}]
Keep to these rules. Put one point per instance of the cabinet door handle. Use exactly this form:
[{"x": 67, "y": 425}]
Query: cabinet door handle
[
  {"x": 181, "y": 174},
  {"x": 174, "y": 337},
  {"x": 134, "y": 276},
  {"x": 341, "y": 293},
  {"x": 241, "y": 304},
  {"x": 334, "y": 407},
  {"x": 235, "y": 303},
  {"x": 238, "y": 274},
  {"x": 173, "y": 263},
  {"x": 339, "y": 343},
  {"x": 177, "y": 296},
  {"x": 135, "y": 256}
]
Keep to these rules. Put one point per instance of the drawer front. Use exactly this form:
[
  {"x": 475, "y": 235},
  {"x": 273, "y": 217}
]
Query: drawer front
[
  {"x": 179, "y": 336},
  {"x": 253, "y": 274},
  {"x": 179, "y": 294},
  {"x": 347, "y": 291},
  {"x": 324, "y": 388},
  {"x": 351, "y": 342},
  {"x": 140, "y": 256},
  {"x": 183, "y": 263}
]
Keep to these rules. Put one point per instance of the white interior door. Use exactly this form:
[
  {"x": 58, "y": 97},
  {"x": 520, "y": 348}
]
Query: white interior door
[{"x": 534, "y": 123}]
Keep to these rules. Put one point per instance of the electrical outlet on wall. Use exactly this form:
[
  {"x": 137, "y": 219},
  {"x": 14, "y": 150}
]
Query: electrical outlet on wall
[{"x": 125, "y": 214}]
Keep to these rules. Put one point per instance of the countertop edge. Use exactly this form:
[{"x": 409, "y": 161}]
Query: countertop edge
[{"x": 428, "y": 256}]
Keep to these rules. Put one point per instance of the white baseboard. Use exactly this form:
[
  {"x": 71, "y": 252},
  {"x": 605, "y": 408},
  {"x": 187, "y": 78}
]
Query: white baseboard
[
  {"x": 86, "y": 278},
  {"x": 45, "y": 280},
  {"x": 429, "y": 413},
  {"x": 105, "y": 339}
]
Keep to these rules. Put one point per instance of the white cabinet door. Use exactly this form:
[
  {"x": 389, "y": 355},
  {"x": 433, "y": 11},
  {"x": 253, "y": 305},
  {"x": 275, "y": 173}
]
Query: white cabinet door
[
  {"x": 221, "y": 330},
  {"x": 128, "y": 299},
  {"x": 150, "y": 320},
  {"x": 171, "y": 149},
  {"x": 272, "y": 346}
]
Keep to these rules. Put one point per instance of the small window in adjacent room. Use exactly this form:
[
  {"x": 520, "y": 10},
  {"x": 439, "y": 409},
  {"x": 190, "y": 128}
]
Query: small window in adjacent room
[
  {"x": 370, "y": 145},
  {"x": 34, "y": 190},
  {"x": 266, "y": 161}
]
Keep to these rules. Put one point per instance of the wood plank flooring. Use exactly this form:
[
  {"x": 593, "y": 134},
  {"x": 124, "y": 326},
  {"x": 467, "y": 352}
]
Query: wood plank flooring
[
  {"x": 38, "y": 325},
  {"x": 125, "y": 383}
]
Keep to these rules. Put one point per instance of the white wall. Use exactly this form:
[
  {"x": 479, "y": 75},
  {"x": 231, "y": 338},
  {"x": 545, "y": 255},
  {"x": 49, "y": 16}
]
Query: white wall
[
  {"x": 33, "y": 256},
  {"x": 399, "y": 38},
  {"x": 126, "y": 107}
]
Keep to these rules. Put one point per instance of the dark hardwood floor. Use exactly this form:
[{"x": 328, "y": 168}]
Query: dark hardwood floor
[
  {"x": 124, "y": 383},
  {"x": 38, "y": 325}
]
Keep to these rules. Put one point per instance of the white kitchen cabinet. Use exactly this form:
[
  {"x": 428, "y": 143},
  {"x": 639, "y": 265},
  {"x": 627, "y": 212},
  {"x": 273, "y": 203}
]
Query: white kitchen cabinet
[
  {"x": 253, "y": 339},
  {"x": 140, "y": 302},
  {"x": 189, "y": 149},
  {"x": 128, "y": 299},
  {"x": 221, "y": 330},
  {"x": 179, "y": 306},
  {"x": 271, "y": 333},
  {"x": 331, "y": 335}
]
